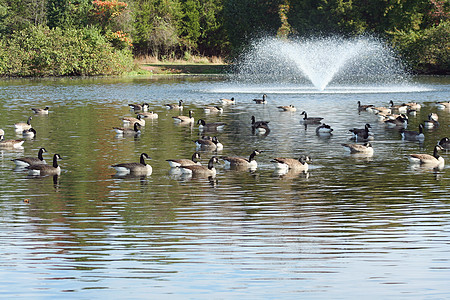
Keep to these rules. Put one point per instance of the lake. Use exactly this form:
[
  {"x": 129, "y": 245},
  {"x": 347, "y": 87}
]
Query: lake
[{"x": 373, "y": 227}]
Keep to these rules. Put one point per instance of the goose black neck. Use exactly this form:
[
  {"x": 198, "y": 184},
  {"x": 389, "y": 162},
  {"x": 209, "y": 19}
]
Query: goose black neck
[
  {"x": 252, "y": 156},
  {"x": 211, "y": 163},
  {"x": 41, "y": 151},
  {"x": 55, "y": 160},
  {"x": 435, "y": 152},
  {"x": 142, "y": 159}
]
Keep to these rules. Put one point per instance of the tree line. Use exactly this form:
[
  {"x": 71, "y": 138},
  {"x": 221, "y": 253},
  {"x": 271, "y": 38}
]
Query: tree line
[{"x": 85, "y": 37}]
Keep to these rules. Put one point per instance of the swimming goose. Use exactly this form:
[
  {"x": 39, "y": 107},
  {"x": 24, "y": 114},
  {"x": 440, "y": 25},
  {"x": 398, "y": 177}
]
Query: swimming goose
[
  {"x": 28, "y": 161},
  {"x": 197, "y": 170},
  {"x": 131, "y": 120},
  {"x": 184, "y": 119},
  {"x": 202, "y": 125},
  {"x": 240, "y": 162},
  {"x": 432, "y": 121},
  {"x": 400, "y": 108},
  {"x": 300, "y": 164},
  {"x": 362, "y": 134},
  {"x": 212, "y": 109},
  {"x": 445, "y": 143},
  {"x": 143, "y": 107},
  {"x": 413, "y": 105},
  {"x": 29, "y": 133},
  {"x": 21, "y": 126},
  {"x": 261, "y": 101},
  {"x": 443, "y": 105},
  {"x": 228, "y": 101},
  {"x": 260, "y": 126},
  {"x": 175, "y": 106},
  {"x": 309, "y": 120},
  {"x": 380, "y": 109},
  {"x": 400, "y": 121},
  {"x": 427, "y": 159},
  {"x": 140, "y": 168},
  {"x": 175, "y": 163},
  {"x": 44, "y": 169},
  {"x": 17, "y": 144},
  {"x": 136, "y": 130},
  {"x": 365, "y": 148},
  {"x": 324, "y": 129},
  {"x": 148, "y": 115},
  {"x": 364, "y": 107},
  {"x": 41, "y": 111},
  {"x": 413, "y": 135},
  {"x": 287, "y": 108},
  {"x": 209, "y": 144}
]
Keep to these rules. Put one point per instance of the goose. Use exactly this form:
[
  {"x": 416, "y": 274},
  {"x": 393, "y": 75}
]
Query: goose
[
  {"x": 212, "y": 109},
  {"x": 413, "y": 105},
  {"x": 432, "y": 121},
  {"x": 131, "y": 120},
  {"x": 362, "y": 134},
  {"x": 256, "y": 124},
  {"x": 443, "y": 105},
  {"x": 198, "y": 170},
  {"x": 16, "y": 144},
  {"x": 262, "y": 129},
  {"x": 400, "y": 108},
  {"x": 287, "y": 108},
  {"x": 143, "y": 107},
  {"x": 240, "y": 162},
  {"x": 209, "y": 144},
  {"x": 40, "y": 111},
  {"x": 324, "y": 129},
  {"x": 28, "y": 161},
  {"x": 445, "y": 143},
  {"x": 148, "y": 115},
  {"x": 261, "y": 101},
  {"x": 364, "y": 107},
  {"x": 44, "y": 169},
  {"x": 300, "y": 164},
  {"x": 228, "y": 101},
  {"x": 427, "y": 159},
  {"x": 309, "y": 120},
  {"x": 184, "y": 119},
  {"x": 381, "y": 109},
  {"x": 176, "y": 163},
  {"x": 413, "y": 135},
  {"x": 175, "y": 106},
  {"x": 21, "y": 126},
  {"x": 400, "y": 121},
  {"x": 29, "y": 133},
  {"x": 202, "y": 125},
  {"x": 365, "y": 148},
  {"x": 136, "y": 130},
  {"x": 140, "y": 168}
]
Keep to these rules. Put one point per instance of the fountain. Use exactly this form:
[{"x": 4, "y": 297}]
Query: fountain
[{"x": 322, "y": 62}]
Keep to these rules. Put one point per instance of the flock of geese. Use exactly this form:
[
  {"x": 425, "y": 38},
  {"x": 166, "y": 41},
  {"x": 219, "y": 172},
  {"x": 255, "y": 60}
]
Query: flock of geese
[{"x": 393, "y": 116}]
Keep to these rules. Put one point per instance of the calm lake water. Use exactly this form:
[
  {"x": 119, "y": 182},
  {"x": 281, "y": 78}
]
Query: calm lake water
[{"x": 349, "y": 227}]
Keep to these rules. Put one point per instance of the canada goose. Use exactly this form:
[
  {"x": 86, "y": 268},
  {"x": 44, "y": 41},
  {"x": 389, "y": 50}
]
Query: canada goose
[
  {"x": 202, "y": 125},
  {"x": 209, "y": 144},
  {"x": 175, "y": 106},
  {"x": 28, "y": 161},
  {"x": 365, "y": 148},
  {"x": 140, "y": 168},
  {"x": 143, "y": 107},
  {"x": 432, "y": 121},
  {"x": 197, "y": 170},
  {"x": 413, "y": 105},
  {"x": 287, "y": 108},
  {"x": 44, "y": 169},
  {"x": 136, "y": 130},
  {"x": 41, "y": 111},
  {"x": 228, "y": 101},
  {"x": 17, "y": 144},
  {"x": 400, "y": 108},
  {"x": 300, "y": 164},
  {"x": 400, "y": 121},
  {"x": 236, "y": 162},
  {"x": 148, "y": 115},
  {"x": 309, "y": 120},
  {"x": 363, "y": 107},
  {"x": 131, "y": 120},
  {"x": 212, "y": 109},
  {"x": 443, "y": 105},
  {"x": 324, "y": 129},
  {"x": 260, "y": 126},
  {"x": 184, "y": 119},
  {"x": 362, "y": 134},
  {"x": 445, "y": 143},
  {"x": 261, "y": 101},
  {"x": 427, "y": 159},
  {"x": 29, "y": 133},
  {"x": 413, "y": 135},
  {"x": 174, "y": 163},
  {"x": 21, "y": 126},
  {"x": 380, "y": 109}
]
